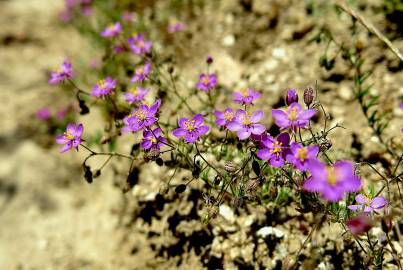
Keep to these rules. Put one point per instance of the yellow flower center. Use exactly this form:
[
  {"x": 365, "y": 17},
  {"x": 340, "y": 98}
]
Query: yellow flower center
[
  {"x": 111, "y": 27},
  {"x": 245, "y": 118},
  {"x": 293, "y": 114},
  {"x": 228, "y": 116},
  {"x": 101, "y": 83},
  {"x": 205, "y": 80},
  {"x": 154, "y": 140},
  {"x": 245, "y": 92},
  {"x": 302, "y": 153},
  {"x": 68, "y": 135},
  {"x": 134, "y": 91},
  {"x": 140, "y": 70},
  {"x": 276, "y": 147},
  {"x": 331, "y": 176},
  {"x": 141, "y": 43},
  {"x": 190, "y": 125},
  {"x": 140, "y": 114}
]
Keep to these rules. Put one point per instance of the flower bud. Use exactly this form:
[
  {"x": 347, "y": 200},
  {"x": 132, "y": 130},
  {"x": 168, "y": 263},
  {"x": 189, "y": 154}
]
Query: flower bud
[
  {"x": 209, "y": 60},
  {"x": 308, "y": 96},
  {"x": 291, "y": 97}
]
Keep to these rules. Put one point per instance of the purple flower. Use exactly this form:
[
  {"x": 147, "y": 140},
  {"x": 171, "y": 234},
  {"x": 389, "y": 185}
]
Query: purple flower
[
  {"x": 368, "y": 205},
  {"x": 136, "y": 94},
  {"x": 141, "y": 73},
  {"x": 246, "y": 96},
  {"x": 142, "y": 117},
  {"x": 332, "y": 182},
  {"x": 103, "y": 87},
  {"x": 360, "y": 224},
  {"x": 63, "y": 73},
  {"x": 112, "y": 30},
  {"x": 71, "y": 138},
  {"x": 275, "y": 150},
  {"x": 294, "y": 117},
  {"x": 300, "y": 156},
  {"x": 245, "y": 124},
  {"x": 206, "y": 82},
  {"x": 191, "y": 129},
  {"x": 291, "y": 97},
  {"x": 43, "y": 114},
  {"x": 139, "y": 45},
  {"x": 153, "y": 139},
  {"x": 176, "y": 27},
  {"x": 225, "y": 117}
]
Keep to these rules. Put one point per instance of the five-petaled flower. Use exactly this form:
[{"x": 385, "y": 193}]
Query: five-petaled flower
[
  {"x": 332, "y": 182},
  {"x": 191, "y": 129},
  {"x": 139, "y": 45},
  {"x": 112, "y": 30},
  {"x": 246, "y": 96},
  {"x": 368, "y": 205},
  {"x": 206, "y": 82},
  {"x": 153, "y": 139},
  {"x": 71, "y": 138},
  {"x": 300, "y": 156},
  {"x": 294, "y": 117},
  {"x": 63, "y": 73},
  {"x": 142, "y": 117},
  {"x": 224, "y": 117},
  {"x": 136, "y": 94},
  {"x": 274, "y": 150},
  {"x": 142, "y": 72},
  {"x": 103, "y": 87},
  {"x": 245, "y": 124}
]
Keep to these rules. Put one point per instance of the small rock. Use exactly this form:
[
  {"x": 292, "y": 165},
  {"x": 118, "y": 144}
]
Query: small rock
[
  {"x": 269, "y": 230},
  {"x": 271, "y": 64},
  {"x": 227, "y": 213},
  {"x": 279, "y": 53},
  {"x": 228, "y": 41},
  {"x": 345, "y": 92}
]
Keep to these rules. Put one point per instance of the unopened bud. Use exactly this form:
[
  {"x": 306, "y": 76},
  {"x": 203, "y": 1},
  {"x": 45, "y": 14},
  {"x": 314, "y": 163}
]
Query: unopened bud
[
  {"x": 291, "y": 97},
  {"x": 209, "y": 60},
  {"x": 308, "y": 96}
]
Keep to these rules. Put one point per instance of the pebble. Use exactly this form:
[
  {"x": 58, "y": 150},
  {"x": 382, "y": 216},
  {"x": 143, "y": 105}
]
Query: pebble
[
  {"x": 227, "y": 213},
  {"x": 279, "y": 53},
  {"x": 269, "y": 230},
  {"x": 345, "y": 92},
  {"x": 228, "y": 41}
]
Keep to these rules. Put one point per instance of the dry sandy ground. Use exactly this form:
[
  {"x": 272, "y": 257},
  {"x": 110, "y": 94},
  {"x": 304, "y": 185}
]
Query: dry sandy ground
[{"x": 50, "y": 218}]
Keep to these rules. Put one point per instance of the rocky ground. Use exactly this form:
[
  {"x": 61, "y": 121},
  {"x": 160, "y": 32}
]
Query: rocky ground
[{"x": 52, "y": 219}]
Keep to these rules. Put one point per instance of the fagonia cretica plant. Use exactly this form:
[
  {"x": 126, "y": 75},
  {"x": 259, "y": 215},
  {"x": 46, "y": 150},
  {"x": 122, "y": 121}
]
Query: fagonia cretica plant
[{"x": 229, "y": 147}]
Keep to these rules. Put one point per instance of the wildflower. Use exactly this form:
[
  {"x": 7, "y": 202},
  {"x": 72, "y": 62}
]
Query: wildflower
[
  {"x": 291, "y": 97},
  {"x": 153, "y": 140},
  {"x": 141, "y": 73},
  {"x": 43, "y": 114},
  {"x": 332, "y": 182},
  {"x": 245, "y": 124},
  {"x": 176, "y": 27},
  {"x": 368, "y": 205},
  {"x": 300, "y": 155},
  {"x": 136, "y": 94},
  {"x": 103, "y": 87},
  {"x": 191, "y": 129},
  {"x": 139, "y": 45},
  {"x": 142, "y": 117},
  {"x": 63, "y": 73},
  {"x": 112, "y": 30},
  {"x": 360, "y": 224},
  {"x": 275, "y": 150},
  {"x": 294, "y": 117},
  {"x": 225, "y": 117},
  {"x": 246, "y": 96},
  {"x": 206, "y": 82},
  {"x": 71, "y": 138}
]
